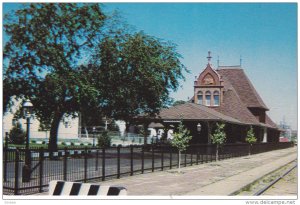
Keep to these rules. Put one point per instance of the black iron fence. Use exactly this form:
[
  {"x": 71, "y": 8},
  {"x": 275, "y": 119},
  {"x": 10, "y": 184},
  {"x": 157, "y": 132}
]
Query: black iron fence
[{"x": 94, "y": 164}]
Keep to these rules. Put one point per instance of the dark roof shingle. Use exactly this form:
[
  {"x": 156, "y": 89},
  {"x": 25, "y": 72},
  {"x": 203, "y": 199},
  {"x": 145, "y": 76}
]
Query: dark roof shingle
[
  {"x": 192, "y": 111},
  {"x": 242, "y": 85},
  {"x": 232, "y": 106}
]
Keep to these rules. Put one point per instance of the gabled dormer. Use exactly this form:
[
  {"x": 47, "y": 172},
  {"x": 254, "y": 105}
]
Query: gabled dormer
[{"x": 208, "y": 86}]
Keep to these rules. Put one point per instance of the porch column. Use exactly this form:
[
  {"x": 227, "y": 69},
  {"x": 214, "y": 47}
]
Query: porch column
[
  {"x": 209, "y": 125},
  {"x": 265, "y": 139}
]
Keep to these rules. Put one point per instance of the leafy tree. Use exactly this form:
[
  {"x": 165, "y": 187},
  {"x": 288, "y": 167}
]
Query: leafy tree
[
  {"x": 251, "y": 139},
  {"x": 17, "y": 134},
  {"x": 181, "y": 140},
  {"x": 128, "y": 74},
  {"x": 179, "y": 102},
  {"x": 104, "y": 140},
  {"x": 137, "y": 71},
  {"x": 44, "y": 126},
  {"x": 47, "y": 41},
  {"x": 219, "y": 138}
]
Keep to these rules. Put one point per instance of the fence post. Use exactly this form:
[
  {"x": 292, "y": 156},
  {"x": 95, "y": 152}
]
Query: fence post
[
  {"x": 41, "y": 169},
  {"x": 162, "y": 157},
  {"x": 197, "y": 155},
  {"x": 85, "y": 164},
  {"x": 178, "y": 159},
  {"x": 170, "y": 157},
  {"x": 65, "y": 164},
  {"x": 185, "y": 158},
  {"x": 118, "y": 158},
  {"x": 143, "y": 158},
  {"x": 152, "y": 157},
  {"x": 5, "y": 157},
  {"x": 97, "y": 158},
  {"x": 131, "y": 160},
  {"x": 191, "y": 157},
  {"x": 211, "y": 156},
  {"x": 16, "y": 188},
  {"x": 103, "y": 164}
]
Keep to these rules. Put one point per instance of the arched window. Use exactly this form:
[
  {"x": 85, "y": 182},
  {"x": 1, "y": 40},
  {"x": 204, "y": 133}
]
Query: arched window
[
  {"x": 200, "y": 97},
  {"x": 208, "y": 98},
  {"x": 216, "y": 98}
]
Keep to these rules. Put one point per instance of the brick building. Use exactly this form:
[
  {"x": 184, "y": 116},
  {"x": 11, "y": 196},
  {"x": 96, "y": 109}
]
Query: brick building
[{"x": 224, "y": 95}]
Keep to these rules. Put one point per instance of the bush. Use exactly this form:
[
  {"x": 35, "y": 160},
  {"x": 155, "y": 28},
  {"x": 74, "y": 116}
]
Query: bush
[
  {"x": 72, "y": 144},
  {"x": 44, "y": 142},
  {"x": 104, "y": 140},
  {"x": 251, "y": 139},
  {"x": 219, "y": 138},
  {"x": 33, "y": 141},
  {"x": 17, "y": 134},
  {"x": 63, "y": 143}
]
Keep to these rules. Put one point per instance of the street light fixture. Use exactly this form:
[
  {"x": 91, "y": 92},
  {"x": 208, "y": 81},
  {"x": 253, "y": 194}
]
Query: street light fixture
[
  {"x": 199, "y": 127},
  {"x": 27, "y": 108}
]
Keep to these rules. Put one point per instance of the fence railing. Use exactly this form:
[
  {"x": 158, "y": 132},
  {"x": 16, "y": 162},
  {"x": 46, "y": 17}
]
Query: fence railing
[{"x": 94, "y": 164}]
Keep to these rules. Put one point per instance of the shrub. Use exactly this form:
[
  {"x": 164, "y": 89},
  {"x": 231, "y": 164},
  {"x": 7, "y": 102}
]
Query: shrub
[
  {"x": 33, "y": 141},
  {"x": 181, "y": 140},
  {"x": 17, "y": 134},
  {"x": 104, "y": 140},
  {"x": 251, "y": 139},
  {"x": 44, "y": 142},
  {"x": 63, "y": 143},
  {"x": 72, "y": 144},
  {"x": 219, "y": 138}
]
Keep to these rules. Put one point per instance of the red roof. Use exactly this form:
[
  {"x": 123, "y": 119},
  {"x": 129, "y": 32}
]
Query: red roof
[
  {"x": 242, "y": 85},
  {"x": 239, "y": 95},
  {"x": 234, "y": 107}
]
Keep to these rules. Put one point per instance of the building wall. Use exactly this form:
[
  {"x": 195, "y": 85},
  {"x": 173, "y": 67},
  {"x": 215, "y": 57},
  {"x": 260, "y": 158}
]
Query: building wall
[
  {"x": 64, "y": 132},
  {"x": 204, "y": 90},
  {"x": 260, "y": 114}
]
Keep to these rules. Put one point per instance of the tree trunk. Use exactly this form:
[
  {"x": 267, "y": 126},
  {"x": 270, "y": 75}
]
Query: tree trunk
[
  {"x": 250, "y": 149},
  {"x": 52, "y": 146},
  {"x": 179, "y": 161}
]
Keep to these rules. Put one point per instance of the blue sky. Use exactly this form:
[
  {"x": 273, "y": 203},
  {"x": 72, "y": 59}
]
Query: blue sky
[{"x": 264, "y": 34}]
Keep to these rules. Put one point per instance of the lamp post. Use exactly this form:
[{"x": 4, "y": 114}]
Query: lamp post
[
  {"x": 94, "y": 130},
  {"x": 27, "y": 111}
]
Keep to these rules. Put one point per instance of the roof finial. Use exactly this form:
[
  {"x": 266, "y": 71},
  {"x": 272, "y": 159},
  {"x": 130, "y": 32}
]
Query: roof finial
[
  {"x": 209, "y": 57},
  {"x": 218, "y": 62}
]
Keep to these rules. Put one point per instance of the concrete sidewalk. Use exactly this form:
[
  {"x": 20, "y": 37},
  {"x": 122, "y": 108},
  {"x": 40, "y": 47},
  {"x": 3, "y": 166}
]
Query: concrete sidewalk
[{"x": 217, "y": 178}]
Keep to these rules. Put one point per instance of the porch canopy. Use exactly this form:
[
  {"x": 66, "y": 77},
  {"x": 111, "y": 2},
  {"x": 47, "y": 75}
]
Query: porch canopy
[
  {"x": 186, "y": 112},
  {"x": 191, "y": 115}
]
